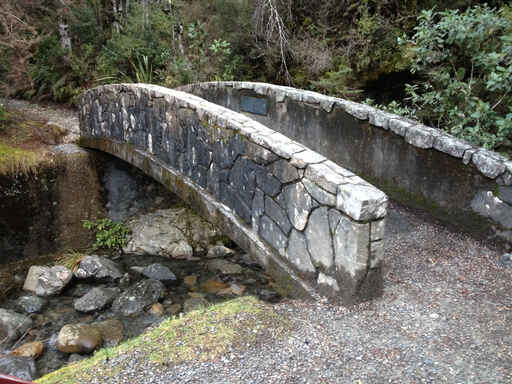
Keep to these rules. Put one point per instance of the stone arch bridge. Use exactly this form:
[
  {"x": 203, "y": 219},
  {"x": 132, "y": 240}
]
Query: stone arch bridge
[{"x": 262, "y": 163}]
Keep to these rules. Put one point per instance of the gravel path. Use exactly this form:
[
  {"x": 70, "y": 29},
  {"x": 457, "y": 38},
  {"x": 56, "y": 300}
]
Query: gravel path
[
  {"x": 445, "y": 316},
  {"x": 50, "y": 113}
]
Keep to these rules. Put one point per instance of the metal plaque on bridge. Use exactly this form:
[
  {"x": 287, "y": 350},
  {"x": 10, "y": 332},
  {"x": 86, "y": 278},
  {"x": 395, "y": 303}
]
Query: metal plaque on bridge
[{"x": 251, "y": 104}]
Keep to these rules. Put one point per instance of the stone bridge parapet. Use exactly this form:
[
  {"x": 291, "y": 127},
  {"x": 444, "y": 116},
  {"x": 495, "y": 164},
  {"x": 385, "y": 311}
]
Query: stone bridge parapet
[
  {"x": 315, "y": 226},
  {"x": 420, "y": 166}
]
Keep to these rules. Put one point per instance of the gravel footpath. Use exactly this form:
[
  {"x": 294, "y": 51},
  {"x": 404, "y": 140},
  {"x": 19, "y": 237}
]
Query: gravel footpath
[
  {"x": 444, "y": 317},
  {"x": 50, "y": 113}
]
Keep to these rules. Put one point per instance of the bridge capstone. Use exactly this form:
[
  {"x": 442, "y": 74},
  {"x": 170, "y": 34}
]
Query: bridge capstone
[{"x": 315, "y": 226}]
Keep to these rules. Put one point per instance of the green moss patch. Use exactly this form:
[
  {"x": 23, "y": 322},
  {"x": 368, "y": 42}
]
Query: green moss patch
[{"x": 200, "y": 335}]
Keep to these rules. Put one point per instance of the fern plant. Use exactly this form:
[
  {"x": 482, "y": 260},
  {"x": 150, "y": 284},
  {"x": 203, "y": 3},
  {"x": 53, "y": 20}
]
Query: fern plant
[{"x": 109, "y": 234}]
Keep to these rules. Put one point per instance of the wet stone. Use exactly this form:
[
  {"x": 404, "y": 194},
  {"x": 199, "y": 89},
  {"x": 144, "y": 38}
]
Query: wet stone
[
  {"x": 98, "y": 267},
  {"x": 96, "y": 299},
  {"x": 31, "y": 304},
  {"x": 138, "y": 297},
  {"x": 78, "y": 338},
  {"x": 159, "y": 272}
]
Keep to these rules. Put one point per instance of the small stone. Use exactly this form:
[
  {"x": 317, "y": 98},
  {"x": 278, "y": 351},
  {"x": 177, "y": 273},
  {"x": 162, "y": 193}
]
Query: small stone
[
  {"x": 78, "y": 338},
  {"x": 157, "y": 309},
  {"x": 224, "y": 267},
  {"x": 32, "y": 350},
  {"x": 219, "y": 251},
  {"x": 31, "y": 304}
]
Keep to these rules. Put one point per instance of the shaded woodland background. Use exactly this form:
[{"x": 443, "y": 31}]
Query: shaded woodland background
[{"x": 445, "y": 63}]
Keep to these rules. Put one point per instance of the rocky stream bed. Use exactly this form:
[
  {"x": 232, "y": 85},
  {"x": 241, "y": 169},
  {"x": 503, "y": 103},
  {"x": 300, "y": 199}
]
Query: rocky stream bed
[{"x": 174, "y": 263}]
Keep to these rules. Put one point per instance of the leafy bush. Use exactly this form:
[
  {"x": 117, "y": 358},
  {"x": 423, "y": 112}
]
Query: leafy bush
[
  {"x": 109, "y": 234},
  {"x": 466, "y": 61},
  {"x": 4, "y": 115}
]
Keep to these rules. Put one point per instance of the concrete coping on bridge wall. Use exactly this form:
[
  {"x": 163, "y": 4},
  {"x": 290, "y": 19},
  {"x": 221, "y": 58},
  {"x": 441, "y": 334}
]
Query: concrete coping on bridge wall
[
  {"x": 489, "y": 163},
  {"x": 316, "y": 226},
  {"x": 459, "y": 183}
]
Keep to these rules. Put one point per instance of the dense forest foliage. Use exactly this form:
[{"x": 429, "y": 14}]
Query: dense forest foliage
[{"x": 448, "y": 64}]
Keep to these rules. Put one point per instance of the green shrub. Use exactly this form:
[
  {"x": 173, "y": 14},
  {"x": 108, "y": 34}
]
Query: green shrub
[
  {"x": 466, "y": 61},
  {"x": 109, "y": 234}
]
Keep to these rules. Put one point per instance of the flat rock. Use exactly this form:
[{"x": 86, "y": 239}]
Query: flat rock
[
  {"x": 98, "y": 267},
  {"x": 13, "y": 325},
  {"x": 224, "y": 267},
  {"x": 96, "y": 299},
  {"x": 159, "y": 272},
  {"x": 139, "y": 296},
  {"x": 32, "y": 350},
  {"x": 31, "y": 304},
  {"x": 78, "y": 338},
  {"x": 18, "y": 366},
  {"x": 219, "y": 251}
]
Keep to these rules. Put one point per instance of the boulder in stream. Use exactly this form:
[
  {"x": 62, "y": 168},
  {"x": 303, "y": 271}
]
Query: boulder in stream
[
  {"x": 96, "y": 299},
  {"x": 139, "y": 296},
  {"x": 78, "y": 338},
  {"x": 98, "y": 267},
  {"x": 47, "y": 281}
]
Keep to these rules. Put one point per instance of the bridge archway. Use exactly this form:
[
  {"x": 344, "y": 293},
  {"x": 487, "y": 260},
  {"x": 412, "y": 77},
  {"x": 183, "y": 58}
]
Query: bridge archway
[{"x": 316, "y": 227}]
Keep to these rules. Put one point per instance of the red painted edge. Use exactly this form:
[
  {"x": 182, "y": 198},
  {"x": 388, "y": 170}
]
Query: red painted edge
[{"x": 6, "y": 379}]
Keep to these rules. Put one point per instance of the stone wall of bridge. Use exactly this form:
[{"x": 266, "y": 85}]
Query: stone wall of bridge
[
  {"x": 315, "y": 226},
  {"x": 420, "y": 166}
]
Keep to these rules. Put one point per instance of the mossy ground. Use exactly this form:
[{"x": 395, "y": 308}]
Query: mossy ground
[
  {"x": 200, "y": 335},
  {"x": 23, "y": 143}
]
